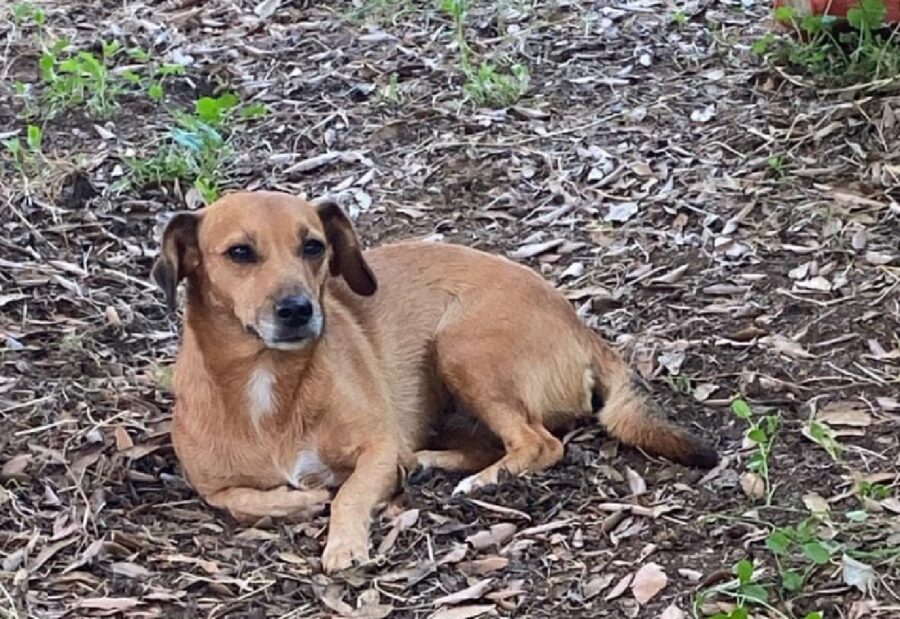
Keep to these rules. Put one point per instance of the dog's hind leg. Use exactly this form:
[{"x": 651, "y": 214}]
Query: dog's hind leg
[
  {"x": 496, "y": 400},
  {"x": 529, "y": 448}
]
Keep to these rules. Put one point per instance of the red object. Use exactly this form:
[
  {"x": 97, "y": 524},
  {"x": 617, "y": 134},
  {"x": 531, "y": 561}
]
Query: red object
[{"x": 838, "y": 8}]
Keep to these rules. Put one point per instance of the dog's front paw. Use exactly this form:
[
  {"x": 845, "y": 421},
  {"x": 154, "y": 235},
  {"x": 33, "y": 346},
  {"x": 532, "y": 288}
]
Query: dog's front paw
[
  {"x": 473, "y": 483},
  {"x": 470, "y": 485},
  {"x": 342, "y": 553}
]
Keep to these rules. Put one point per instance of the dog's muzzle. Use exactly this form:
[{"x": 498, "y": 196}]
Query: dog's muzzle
[{"x": 295, "y": 321}]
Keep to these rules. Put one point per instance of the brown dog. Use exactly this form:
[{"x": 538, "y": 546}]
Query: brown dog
[{"x": 298, "y": 370}]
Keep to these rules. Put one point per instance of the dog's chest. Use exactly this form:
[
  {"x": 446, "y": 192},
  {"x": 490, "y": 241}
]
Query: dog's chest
[{"x": 308, "y": 469}]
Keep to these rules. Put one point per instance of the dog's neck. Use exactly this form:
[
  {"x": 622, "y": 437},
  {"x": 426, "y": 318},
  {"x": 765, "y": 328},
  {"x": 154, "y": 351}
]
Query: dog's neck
[{"x": 251, "y": 382}]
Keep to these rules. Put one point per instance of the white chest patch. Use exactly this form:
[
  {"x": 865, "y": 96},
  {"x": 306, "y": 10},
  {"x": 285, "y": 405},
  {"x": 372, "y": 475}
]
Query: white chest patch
[
  {"x": 261, "y": 393},
  {"x": 310, "y": 470}
]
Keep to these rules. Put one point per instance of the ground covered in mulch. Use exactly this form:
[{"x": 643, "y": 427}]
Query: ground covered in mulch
[{"x": 734, "y": 232}]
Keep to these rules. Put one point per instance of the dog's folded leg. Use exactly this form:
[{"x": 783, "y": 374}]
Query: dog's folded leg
[
  {"x": 281, "y": 502},
  {"x": 374, "y": 478}
]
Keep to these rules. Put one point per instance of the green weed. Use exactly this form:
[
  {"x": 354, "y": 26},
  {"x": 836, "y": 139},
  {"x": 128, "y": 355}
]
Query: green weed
[
  {"x": 762, "y": 432},
  {"x": 852, "y": 51},
  {"x": 79, "y": 78},
  {"x": 73, "y": 78},
  {"x": 486, "y": 84},
  {"x": 26, "y": 14},
  {"x": 390, "y": 93},
  {"x": 776, "y": 164},
  {"x": 824, "y": 436},
  {"x": 798, "y": 552},
  {"x": 197, "y": 148},
  {"x": 26, "y": 156},
  {"x": 153, "y": 76}
]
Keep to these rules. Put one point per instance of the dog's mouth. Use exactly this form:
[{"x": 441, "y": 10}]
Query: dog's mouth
[{"x": 291, "y": 340}]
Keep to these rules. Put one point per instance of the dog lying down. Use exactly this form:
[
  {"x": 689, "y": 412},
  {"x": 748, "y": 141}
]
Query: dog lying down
[{"x": 308, "y": 364}]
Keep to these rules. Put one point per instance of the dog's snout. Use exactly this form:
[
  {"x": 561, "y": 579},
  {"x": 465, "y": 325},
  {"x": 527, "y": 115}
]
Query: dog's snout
[{"x": 294, "y": 311}]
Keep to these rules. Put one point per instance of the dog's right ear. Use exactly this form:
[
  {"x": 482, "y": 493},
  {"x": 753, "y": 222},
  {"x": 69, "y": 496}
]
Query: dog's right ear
[{"x": 179, "y": 255}]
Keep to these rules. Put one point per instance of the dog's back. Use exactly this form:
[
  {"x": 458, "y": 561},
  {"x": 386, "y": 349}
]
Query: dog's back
[{"x": 511, "y": 323}]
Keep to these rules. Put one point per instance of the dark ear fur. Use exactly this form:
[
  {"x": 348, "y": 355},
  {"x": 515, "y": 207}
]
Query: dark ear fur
[
  {"x": 346, "y": 257},
  {"x": 178, "y": 255}
]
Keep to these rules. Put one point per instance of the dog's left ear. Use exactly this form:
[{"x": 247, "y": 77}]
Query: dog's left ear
[
  {"x": 346, "y": 257},
  {"x": 179, "y": 255}
]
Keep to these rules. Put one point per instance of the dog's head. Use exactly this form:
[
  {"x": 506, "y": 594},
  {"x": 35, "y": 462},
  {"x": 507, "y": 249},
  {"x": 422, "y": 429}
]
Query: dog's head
[{"x": 262, "y": 258}]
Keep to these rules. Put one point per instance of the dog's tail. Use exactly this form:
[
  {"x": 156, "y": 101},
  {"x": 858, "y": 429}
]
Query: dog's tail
[{"x": 628, "y": 412}]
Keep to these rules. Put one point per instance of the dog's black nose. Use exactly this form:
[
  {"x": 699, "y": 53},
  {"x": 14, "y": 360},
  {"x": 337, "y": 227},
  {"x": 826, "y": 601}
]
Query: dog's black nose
[{"x": 294, "y": 311}]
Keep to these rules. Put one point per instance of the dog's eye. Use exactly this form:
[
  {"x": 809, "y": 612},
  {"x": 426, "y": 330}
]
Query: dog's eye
[
  {"x": 313, "y": 248},
  {"x": 242, "y": 254}
]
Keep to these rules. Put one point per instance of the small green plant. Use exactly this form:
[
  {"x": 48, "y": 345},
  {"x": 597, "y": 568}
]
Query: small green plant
[
  {"x": 776, "y": 164},
  {"x": 193, "y": 151},
  {"x": 197, "y": 148},
  {"x": 825, "y": 438},
  {"x": 25, "y": 12},
  {"x": 679, "y": 18},
  {"x": 877, "y": 492},
  {"x": 26, "y": 156},
  {"x": 79, "y": 78},
  {"x": 488, "y": 86},
  {"x": 390, "y": 93},
  {"x": 746, "y": 591},
  {"x": 859, "y": 52},
  {"x": 485, "y": 85},
  {"x": 799, "y": 551},
  {"x": 73, "y": 78},
  {"x": 152, "y": 78},
  {"x": 867, "y": 492},
  {"x": 762, "y": 432}
]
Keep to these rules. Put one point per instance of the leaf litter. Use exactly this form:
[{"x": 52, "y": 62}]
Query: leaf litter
[{"x": 654, "y": 207}]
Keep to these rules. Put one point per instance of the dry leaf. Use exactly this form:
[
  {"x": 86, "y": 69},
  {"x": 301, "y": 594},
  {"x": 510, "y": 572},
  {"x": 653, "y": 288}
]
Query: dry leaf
[
  {"x": 313, "y": 163},
  {"x": 494, "y": 536},
  {"x": 123, "y": 440},
  {"x": 753, "y": 485},
  {"x": 672, "y": 612},
  {"x": 480, "y": 567},
  {"x": 455, "y": 555},
  {"x": 636, "y": 483},
  {"x": 105, "y": 603},
  {"x": 704, "y": 114},
  {"x": 472, "y": 592},
  {"x": 648, "y": 582},
  {"x": 704, "y": 390},
  {"x": 462, "y": 612},
  {"x": 15, "y": 468},
  {"x": 857, "y": 574},
  {"x": 672, "y": 276},
  {"x": 620, "y": 588},
  {"x": 845, "y": 413},
  {"x": 596, "y": 585},
  {"x": 892, "y": 504},
  {"x": 815, "y": 503},
  {"x": 531, "y": 250},
  {"x": 641, "y": 168},
  {"x": 878, "y": 258},
  {"x": 818, "y": 283},
  {"x": 621, "y": 212},
  {"x": 786, "y": 346},
  {"x": 130, "y": 570}
]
